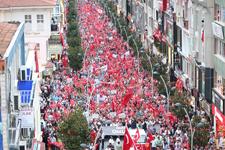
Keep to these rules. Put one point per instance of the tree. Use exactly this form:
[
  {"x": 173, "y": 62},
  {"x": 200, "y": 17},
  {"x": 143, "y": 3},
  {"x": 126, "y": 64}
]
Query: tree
[
  {"x": 76, "y": 55},
  {"x": 183, "y": 100},
  {"x": 73, "y": 130},
  {"x": 202, "y": 133}
]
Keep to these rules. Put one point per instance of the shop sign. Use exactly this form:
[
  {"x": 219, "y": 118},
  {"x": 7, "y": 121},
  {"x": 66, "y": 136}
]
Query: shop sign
[
  {"x": 26, "y": 115},
  {"x": 217, "y": 30},
  {"x": 216, "y": 112}
]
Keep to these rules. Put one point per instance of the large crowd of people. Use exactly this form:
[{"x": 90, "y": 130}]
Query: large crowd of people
[{"x": 113, "y": 88}]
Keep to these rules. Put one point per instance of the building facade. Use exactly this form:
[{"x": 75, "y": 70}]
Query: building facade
[
  {"x": 190, "y": 35},
  {"x": 12, "y": 57},
  {"x": 37, "y": 16},
  {"x": 218, "y": 91}
]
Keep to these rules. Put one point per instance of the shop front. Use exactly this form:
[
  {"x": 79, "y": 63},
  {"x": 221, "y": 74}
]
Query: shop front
[
  {"x": 218, "y": 113},
  {"x": 219, "y": 121}
]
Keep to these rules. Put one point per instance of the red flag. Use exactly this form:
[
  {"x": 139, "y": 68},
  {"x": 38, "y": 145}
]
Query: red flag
[
  {"x": 165, "y": 5},
  {"x": 203, "y": 36},
  {"x": 113, "y": 105},
  {"x": 127, "y": 141},
  {"x": 36, "y": 61},
  {"x": 136, "y": 136},
  {"x": 127, "y": 97}
]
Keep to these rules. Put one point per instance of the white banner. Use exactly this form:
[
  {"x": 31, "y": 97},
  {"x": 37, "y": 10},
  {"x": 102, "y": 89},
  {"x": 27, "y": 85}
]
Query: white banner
[{"x": 27, "y": 118}]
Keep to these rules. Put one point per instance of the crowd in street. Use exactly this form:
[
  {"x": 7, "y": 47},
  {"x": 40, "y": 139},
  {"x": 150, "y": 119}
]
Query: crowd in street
[{"x": 113, "y": 88}]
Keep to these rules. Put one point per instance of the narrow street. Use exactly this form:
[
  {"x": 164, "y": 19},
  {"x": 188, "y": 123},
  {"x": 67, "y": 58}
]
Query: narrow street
[{"x": 112, "y": 88}]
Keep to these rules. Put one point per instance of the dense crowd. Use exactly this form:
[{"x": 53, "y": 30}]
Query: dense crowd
[{"x": 113, "y": 89}]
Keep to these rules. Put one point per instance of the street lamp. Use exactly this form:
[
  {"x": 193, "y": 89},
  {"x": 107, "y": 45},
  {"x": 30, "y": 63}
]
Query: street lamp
[
  {"x": 201, "y": 124},
  {"x": 189, "y": 120},
  {"x": 150, "y": 62},
  {"x": 128, "y": 38},
  {"x": 167, "y": 92},
  {"x": 156, "y": 73}
]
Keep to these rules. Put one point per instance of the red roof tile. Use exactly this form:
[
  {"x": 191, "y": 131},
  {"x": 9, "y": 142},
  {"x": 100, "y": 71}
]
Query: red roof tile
[
  {"x": 7, "y": 31},
  {"x": 26, "y": 3}
]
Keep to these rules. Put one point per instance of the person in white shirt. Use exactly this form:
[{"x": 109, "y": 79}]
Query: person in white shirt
[
  {"x": 111, "y": 141},
  {"x": 178, "y": 131},
  {"x": 118, "y": 144},
  {"x": 177, "y": 145}
]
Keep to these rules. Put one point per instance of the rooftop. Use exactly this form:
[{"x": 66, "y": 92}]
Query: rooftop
[
  {"x": 26, "y": 3},
  {"x": 7, "y": 31}
]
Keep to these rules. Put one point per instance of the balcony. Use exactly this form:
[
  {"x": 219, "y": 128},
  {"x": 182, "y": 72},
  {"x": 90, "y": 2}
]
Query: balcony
[
  {"x": 219, "y": 63},
  {"x": 54, "y": 45},
  {"x": 54, "y": 39}
]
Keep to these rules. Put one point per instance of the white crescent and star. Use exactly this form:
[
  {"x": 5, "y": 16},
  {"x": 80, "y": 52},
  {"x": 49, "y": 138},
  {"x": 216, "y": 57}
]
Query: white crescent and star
[{"x": 127, "y": 139}]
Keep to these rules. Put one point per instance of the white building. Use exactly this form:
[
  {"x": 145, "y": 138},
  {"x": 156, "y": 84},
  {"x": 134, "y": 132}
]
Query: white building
[
  {"x": 12, "y": 57},
  {"x": 37, "y": 16}
]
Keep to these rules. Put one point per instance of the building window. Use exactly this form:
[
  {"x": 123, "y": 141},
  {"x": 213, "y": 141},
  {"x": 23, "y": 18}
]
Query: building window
[
  {"x": 56, "y": 10},
  {"x": 219, "y": 13},
  {"x": 219, "y": 83},
  {"x": 219, "y": 47},
  {"x": 203, "y": 84},
  {"x": 40, "y": 18},
  {"x": 222, "y": 52},
  {"x": 28, "y": 19}
]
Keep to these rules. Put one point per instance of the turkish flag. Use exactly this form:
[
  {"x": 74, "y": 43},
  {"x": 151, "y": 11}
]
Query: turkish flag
[
  {"x": 36, "y": 62},
  {"x": 136, "y": 136},
  {"x": 127, "y": 141},
  {"x": 127, "y": 97},
  {"x": 203, "y": 36},
  {"x": 113, "y": 105}
]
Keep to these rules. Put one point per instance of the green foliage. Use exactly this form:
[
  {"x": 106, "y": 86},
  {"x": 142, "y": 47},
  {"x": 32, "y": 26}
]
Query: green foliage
[
  {"x": 73, "y": 38},
  {"x": 76, "y": 55},
  {"x": 74, "y": 130},
  {"x": 181, "y": 98},
  {"x": 201, "y": 136}
]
